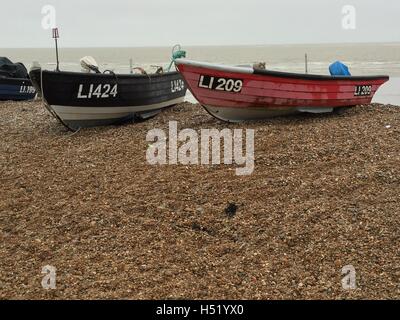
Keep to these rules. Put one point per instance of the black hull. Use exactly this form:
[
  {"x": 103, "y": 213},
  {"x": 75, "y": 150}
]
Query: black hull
[
  {"x": 81, "y": 100},
  {"x": 16, "y": 89}
]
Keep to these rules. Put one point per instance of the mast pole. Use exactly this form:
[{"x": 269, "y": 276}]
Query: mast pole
[
  {"x": 55, "y": 37},
  {"x": 306, "y": 61}
]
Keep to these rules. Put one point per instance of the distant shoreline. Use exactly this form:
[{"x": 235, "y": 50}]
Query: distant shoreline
[{"x": 328, "y": 44}]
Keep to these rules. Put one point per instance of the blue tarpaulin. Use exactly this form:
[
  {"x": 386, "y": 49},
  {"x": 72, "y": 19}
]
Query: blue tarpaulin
[{"x": 339, "y": 69}]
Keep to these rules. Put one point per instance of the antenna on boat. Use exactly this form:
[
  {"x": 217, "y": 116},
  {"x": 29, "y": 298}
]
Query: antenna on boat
[
  {"x": 131, "y": 65},
  {"x": 55, "y": 37},
  {"x": 306, "y": 60}
]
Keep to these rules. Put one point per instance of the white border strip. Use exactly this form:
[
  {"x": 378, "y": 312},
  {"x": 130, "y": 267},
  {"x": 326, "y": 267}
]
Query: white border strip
[
  {"x": 89, "y": 113},
  {"x": 214, "y": 66}
]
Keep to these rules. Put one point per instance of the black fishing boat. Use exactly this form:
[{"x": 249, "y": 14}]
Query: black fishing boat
[
  {"x": 82, "y": 100},
  {"x": 14, "y": 82}
]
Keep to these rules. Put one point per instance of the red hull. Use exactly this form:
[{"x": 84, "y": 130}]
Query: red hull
[{"x": 262, "y": 90}]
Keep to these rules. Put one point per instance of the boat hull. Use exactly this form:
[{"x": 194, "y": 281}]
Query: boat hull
[
  {"x": 16, "y": 89},
  {"x": 241, "y": 94},
  {"x": 82, "y": 100}
]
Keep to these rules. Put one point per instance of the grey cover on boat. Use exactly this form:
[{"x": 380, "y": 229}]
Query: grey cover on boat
[{"x": 12, "y": 70}]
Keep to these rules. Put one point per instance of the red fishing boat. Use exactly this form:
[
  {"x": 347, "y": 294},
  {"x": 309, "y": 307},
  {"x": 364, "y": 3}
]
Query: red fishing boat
[{"x": 236, "y": 93}]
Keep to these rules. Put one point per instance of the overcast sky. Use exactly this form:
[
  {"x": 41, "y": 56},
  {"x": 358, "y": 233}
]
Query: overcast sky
[{"x": 131, "y": 23}]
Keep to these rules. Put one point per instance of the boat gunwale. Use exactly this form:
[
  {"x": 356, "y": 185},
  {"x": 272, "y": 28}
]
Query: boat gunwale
[
  {"x": 106, "y": 75},
  {"x": 278, "y": 74},
  {"x": 15, "y": 79}
]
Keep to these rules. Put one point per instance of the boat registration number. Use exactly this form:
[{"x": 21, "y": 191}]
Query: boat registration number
[
  {"x": 100, "y": 91},
  {"x": 177, "y": 86},
  {"x": 362, "y": 91},
  {"x": 27, "y": 89},
  {"x": 221, "y": 84}
]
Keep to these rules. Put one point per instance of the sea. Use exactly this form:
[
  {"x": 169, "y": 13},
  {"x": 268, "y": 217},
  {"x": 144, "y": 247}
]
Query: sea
[{"x": 362, "y": 59}]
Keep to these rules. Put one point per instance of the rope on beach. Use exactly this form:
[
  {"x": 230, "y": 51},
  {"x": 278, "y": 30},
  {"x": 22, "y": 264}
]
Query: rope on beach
[{"x": 177, "y": 53}]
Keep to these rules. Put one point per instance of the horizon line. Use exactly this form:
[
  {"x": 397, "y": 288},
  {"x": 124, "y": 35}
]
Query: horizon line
[{"x": 212, "y": 45}]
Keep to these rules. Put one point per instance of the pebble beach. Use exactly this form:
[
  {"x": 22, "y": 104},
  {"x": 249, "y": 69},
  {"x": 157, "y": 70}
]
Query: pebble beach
[{"x": 324, "y": 195}]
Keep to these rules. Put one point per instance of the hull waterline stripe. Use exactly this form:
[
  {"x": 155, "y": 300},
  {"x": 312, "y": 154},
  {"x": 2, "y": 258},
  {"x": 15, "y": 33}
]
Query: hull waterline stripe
[{"x": 81, "y": 113}]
